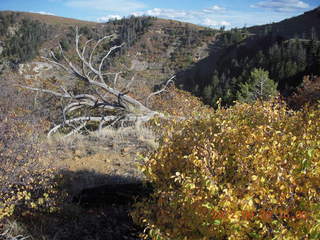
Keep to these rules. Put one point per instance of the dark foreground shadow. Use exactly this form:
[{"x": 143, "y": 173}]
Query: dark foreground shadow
[
  {"x": 109, "y": 194},
  {"x": 90, "y": 189},
  {"x": 93, "y": 212}
]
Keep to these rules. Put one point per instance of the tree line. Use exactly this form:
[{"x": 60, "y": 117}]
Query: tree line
[
  {"x": 285, "y": 61},
  {"x": 24, "y": 43}
]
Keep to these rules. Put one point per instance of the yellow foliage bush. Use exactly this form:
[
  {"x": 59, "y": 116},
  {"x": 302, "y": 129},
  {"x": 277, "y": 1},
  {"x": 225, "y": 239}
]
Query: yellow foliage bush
[
  {"x": 26, "y": 187},
  {"x": 177, "y": 102},
  {"x": 247, "y": 172}
]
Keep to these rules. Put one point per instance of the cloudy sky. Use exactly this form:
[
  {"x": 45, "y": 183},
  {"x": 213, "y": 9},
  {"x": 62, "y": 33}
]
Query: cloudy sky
[{"x": 212, "y": 13}]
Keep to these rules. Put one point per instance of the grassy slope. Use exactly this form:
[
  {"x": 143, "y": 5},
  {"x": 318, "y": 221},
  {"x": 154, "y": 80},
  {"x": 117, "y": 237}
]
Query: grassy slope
[{"x": 52, "y": 20}]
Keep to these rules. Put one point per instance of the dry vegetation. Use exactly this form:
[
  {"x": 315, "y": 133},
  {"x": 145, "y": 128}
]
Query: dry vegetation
[
  {"x": 307, "y": 94},
  {"x": 258, "y": 157},
  {"x": 39, "y": 178},
  {"x": 53, "y": 20},
  {"x": 46, "y": 175}
]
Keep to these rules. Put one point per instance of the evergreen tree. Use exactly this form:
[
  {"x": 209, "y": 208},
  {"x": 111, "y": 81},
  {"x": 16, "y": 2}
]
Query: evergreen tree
[
  {"x": 260, "y": 86},
  {"x": 207, "y": 94},
  {"x": 215, "y": 80}
]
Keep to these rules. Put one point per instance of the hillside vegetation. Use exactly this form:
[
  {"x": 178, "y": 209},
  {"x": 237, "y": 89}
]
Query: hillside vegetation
[
  {"x": 154, "y": 48},
  {"x": 246, "y": 169},
  {"x": 211, "y": 64},
  {"x": 288, "y": 50}
]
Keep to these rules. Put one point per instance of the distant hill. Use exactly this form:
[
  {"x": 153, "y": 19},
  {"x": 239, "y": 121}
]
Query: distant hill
[
  {"x": 209, "y": 63},
  {"x": 300, "y": 26},
  {"x": 155, "y": 48},
  {"x": 288, "y": 50},
  {"x": 48, "y": 19}
]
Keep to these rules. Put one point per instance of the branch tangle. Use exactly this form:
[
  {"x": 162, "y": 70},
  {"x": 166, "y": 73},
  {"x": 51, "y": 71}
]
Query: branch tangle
[{"x": 118, "y": 107}]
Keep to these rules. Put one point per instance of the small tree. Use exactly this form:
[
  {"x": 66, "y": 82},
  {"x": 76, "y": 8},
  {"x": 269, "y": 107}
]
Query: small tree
[
  {"x": 207, "y": 93},
  {"x": 307, "y": 93},
  {"x": 260, "y": 86}
]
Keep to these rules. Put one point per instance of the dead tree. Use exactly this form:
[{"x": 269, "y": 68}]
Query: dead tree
[{"x": 115, "y": 104}]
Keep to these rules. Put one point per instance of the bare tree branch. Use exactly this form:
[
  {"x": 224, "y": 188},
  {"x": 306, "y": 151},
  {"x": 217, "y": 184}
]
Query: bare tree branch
[
  {"x": 107, "y": 103},
  {"x": 47, "y": 91},
  {"x": 161, "y": 90},
  {"x": 76, "y": 130}
]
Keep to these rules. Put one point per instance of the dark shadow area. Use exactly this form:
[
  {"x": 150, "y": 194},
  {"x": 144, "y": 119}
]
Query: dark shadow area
[
  {"x": 200, "y": 72},
  {"x": 219, "y": 57},
  {"x": 288, "y": 50},
  {"x": 109, "y": 194},
  {"x": 97, "y": 207}
]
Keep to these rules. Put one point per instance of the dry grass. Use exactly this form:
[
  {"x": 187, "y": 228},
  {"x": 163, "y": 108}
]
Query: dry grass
[
  {"x": 13, "y": 230},
  {"x": 49, "y": 19},
  {"x": 108, "y": 156},
  {"x": 87, "y": 161}
]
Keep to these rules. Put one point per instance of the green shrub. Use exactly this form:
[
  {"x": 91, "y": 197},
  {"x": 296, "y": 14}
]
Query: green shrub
[
  {"x": 25, "y": 43},
  {"x": 247, "y": 172}
]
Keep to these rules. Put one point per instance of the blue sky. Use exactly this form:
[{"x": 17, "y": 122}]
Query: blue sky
[{"x": 213, "y": 13}]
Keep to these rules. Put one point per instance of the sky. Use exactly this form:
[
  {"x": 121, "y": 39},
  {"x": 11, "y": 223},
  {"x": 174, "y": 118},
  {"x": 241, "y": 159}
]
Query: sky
[{"x": 211, "y": 13}]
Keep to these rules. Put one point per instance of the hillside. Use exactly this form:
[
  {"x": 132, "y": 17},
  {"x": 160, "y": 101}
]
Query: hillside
[
  {"x": 155, "y": 48},
  {"x": 209, "y": 63},
  {"x": 288, "y": 50},
  {"x": 301, "y": 26},
  {"x": 71, "y": 141},
  {"x": 48, "y": 19}
]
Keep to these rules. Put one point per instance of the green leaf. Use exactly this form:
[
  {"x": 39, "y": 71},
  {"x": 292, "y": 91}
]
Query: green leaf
[
  {"x": 217, "y": 222},
  {"x": 310, "y": 153},
  {"x": 207, "y": 205}
]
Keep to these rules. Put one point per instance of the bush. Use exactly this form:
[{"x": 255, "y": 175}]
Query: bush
[
  {"x": 306, "y": 94},
  {"x": 26, "y": 187},
  {"x": 25, "y": 43},
  {"x": 247, "y": 172},
  {"x": 177, "y": 102},
  {"x": 28, "y": 184}
]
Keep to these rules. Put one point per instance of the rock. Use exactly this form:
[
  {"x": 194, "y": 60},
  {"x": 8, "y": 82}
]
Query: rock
[{"x": 78, "y": 153}]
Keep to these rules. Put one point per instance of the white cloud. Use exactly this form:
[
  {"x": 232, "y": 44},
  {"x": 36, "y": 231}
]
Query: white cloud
[
  {"x": 212, "y": 23},
  {"x": 214, "y": 8},
  {"x": 214, "y": 16},
  {"x": 107, "y": 5},
  {"x": 108, "y": 17},
  {"x": 282, "y": 5},
  {"x": 224, "y": 23},
  {"x": 206, "y": 17},
  {"x": 45, "y": 13},
  {"x": 167, "y": 13},
  {"x": 137, "y": 14}
]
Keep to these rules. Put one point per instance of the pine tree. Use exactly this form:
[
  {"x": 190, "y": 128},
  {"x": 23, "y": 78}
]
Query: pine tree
[
  {"x": 260, "y": 86},
  {"x": 207, "y": 93}
]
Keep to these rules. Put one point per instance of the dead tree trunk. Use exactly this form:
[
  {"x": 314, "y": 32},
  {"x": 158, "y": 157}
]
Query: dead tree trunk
[{"x": 115, "y": 104}]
